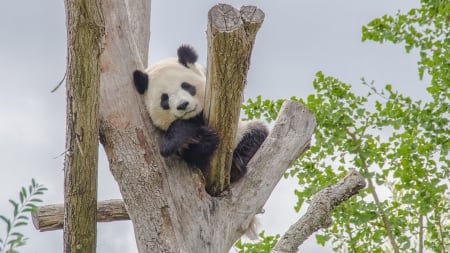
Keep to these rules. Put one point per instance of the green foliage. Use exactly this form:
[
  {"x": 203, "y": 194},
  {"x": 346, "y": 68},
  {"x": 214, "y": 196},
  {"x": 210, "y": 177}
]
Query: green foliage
[
  {"x": 401, "y": 146},
  {"x": 264, "y": 245},
  {"x": 426, "y": 29},
  {"x": 27, "y": 203}
]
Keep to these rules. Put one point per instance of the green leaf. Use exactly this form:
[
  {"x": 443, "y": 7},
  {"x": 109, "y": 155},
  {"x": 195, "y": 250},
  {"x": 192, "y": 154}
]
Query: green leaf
[
  {"x": 8, "y": 223},
  {"x": 13, "y": 238},
  {"x": 21, "y": 223},
  {"x": 321, "y": 239}
]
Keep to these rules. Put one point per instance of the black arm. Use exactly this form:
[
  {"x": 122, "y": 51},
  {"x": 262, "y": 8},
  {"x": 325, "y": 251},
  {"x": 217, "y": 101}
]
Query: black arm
[
  {"x": 191, "y": 140},
  {"x": 178, "y": 136}
]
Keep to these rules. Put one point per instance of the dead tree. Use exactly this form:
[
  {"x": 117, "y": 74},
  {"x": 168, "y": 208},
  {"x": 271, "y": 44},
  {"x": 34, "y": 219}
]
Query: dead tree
[{"x": 168, "y": 202}]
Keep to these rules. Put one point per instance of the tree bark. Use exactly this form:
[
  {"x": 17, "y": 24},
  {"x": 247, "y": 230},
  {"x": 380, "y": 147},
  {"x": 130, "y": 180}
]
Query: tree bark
[
  {"x": 167, "y": 201},
  {"x": 85, "y": 32},
  {"x": 231, "y": 35},
  {"x": 199, "y": 222}
]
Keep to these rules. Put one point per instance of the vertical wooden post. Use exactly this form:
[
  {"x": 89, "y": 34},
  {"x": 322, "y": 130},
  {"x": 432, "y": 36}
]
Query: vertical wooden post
[
  {"x": 231, "y": 35},
  {"x": 85, "y": 32}
]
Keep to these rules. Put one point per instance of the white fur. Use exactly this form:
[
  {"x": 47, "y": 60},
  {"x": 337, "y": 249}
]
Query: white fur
[{"x": 166, "y": 76}]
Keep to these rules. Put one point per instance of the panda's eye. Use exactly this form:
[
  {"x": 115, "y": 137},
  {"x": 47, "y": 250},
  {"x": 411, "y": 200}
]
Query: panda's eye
[
  {"x": 189, "y": 88},
  {"x": 165, "y": 101}
]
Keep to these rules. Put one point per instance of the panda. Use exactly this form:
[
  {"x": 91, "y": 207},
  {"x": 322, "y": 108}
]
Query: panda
[{"x": 174, "y": 92}]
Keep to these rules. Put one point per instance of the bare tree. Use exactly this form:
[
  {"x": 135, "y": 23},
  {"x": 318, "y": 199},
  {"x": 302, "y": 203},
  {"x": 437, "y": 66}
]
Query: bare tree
[{"x": 168, "y": 203}]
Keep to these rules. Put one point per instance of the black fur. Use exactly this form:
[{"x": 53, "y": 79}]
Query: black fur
[
  {"x": 164, "y": 101},
  {"x": 191, "y": 140},
  {"x": 186, "y": 55},
  {"x": 140, "y": 81},
  {"x": 189, "y": 88},
  {"x": 247, "y": 147},
  {"x": 195, "y": 143}
]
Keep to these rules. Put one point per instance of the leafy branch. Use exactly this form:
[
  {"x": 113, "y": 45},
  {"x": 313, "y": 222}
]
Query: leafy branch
[
  {"x": 27, "y": 204},
  {"x": 264, "y": 245}
]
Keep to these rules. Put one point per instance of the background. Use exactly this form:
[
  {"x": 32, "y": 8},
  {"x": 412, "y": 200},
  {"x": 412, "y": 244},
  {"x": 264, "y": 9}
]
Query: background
[{"x": 297, "y": 39}]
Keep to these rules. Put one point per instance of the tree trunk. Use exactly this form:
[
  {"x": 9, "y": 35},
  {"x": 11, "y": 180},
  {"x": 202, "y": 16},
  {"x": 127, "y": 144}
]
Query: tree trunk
[
  {"x": 167, "y": 201},
  {"x": 85, "y": 31},
  {"x": 231, "y": 35}
]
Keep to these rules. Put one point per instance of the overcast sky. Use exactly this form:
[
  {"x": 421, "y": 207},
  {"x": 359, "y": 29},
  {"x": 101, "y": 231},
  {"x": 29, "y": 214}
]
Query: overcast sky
[{"x": 298, "y": 38}]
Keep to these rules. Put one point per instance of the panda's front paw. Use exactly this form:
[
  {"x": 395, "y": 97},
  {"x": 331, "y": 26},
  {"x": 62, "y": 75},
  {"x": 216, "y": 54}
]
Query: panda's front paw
[
  {"x": 165, "y": 149},
  {"x": 165, "y": 153}
]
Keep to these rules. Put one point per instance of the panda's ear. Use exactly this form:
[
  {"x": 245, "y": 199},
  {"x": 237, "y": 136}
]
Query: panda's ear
[
  {"x": 186, "y": 55},
  {"x": 140, "y": 81}
]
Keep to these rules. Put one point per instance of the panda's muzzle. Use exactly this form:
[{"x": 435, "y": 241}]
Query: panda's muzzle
[{"x": 182, "y": 106}]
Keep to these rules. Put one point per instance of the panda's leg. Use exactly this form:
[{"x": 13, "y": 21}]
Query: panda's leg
[{"x": 250, "y": 136}]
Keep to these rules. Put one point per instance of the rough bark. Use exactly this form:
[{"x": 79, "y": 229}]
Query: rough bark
[
  {"x": 197, "y": 221},
  {"x": 130, "y": 141},
  {"x": 289, "y": 138},
  {"x": 167, "y": 201},
  {"x": 51, "y": 217},
  {"x": 231, "y": 34},
  {"x": 318, "y": 214},
  {"x": 84, "y": 38}
]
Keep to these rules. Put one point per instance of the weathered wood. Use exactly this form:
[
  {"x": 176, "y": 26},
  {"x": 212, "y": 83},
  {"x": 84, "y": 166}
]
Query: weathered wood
[
  {"x": 85, "y": 32},
  {"x": 129, "y": 139},
  {"x": 207, "y": 224},
  {"x": 231, "y": 35},
  {"x": 51, "y": 217},
  {"x": 289, "y": 138},
  {"x": 166, "y": 200},
  {"x": 318, "y": 214}
]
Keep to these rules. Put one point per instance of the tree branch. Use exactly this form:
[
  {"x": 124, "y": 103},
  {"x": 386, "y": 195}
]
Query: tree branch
[
  {"x": 51, "y": 217},
  {"x": 290, "y": 136},
  {"x": 318, "y": 214},
  {"x": 231, "y": 35}
]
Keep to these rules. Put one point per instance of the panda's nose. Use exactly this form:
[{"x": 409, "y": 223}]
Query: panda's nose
[{"x": 182, "y": 106}]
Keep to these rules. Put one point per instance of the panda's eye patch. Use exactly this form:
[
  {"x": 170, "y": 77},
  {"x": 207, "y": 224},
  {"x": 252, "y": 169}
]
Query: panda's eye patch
[
  {"x": 189, "y": 88},
  {"x": 165, "y": 101}
]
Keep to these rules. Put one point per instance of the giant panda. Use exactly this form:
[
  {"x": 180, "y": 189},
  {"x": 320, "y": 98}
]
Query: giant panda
[{"x": 174, "y": 93}]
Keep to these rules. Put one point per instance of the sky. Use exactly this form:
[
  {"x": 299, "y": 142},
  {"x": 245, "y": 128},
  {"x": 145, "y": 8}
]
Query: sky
[{"x": 297, "y": 39}]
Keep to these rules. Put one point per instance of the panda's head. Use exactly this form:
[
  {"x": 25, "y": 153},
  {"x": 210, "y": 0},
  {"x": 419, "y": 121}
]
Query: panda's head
[{"x": 174, "y": 88}]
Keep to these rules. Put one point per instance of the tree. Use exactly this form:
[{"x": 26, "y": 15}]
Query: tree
[
  {"x": 169, "y": 203},
  {"x": 401, "y": 146}
]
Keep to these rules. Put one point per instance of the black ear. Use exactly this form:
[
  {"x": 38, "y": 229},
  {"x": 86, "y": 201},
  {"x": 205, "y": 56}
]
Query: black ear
[
  {"x": 140, "y": 81},
  {"x": 186, "y": 54}
]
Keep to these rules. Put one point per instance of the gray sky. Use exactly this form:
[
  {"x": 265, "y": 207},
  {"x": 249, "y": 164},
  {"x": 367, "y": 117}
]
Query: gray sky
[{"x": 298, "y": 38}]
